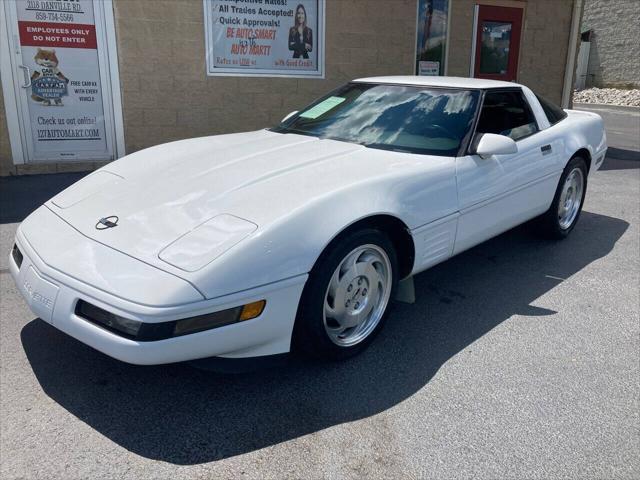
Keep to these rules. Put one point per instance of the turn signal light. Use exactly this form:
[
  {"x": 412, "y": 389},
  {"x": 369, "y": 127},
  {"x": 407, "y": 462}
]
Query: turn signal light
[{"x": 252, "y": 310}]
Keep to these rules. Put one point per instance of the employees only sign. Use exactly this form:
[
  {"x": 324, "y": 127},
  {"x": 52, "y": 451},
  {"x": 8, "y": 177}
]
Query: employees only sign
[{"x": 59, "y": 49}]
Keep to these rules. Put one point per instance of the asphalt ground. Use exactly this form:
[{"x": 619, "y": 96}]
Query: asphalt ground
[{"x": 519, "y": 359}]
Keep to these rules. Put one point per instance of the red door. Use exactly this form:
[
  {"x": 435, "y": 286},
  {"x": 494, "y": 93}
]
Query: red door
[{"x": 498, "y": 42}]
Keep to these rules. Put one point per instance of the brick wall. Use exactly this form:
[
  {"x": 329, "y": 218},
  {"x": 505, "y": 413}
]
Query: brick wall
[
  {"x": 614, "y": 55},
  {"x": 544, "y": 47},
  {"x": 543, "y": 50},
  {"x": 167, "y": 95}
]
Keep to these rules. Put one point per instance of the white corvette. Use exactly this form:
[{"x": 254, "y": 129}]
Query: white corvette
[{"x": 295, "y": 237}]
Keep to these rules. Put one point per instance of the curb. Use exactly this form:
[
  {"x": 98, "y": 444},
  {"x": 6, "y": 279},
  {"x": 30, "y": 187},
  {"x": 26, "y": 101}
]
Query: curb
[{"x": 607, "y": 106}]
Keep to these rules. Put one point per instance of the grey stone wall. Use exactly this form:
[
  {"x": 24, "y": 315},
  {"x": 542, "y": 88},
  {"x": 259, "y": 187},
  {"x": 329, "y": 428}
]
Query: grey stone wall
[{"x": 614, "y": 58}]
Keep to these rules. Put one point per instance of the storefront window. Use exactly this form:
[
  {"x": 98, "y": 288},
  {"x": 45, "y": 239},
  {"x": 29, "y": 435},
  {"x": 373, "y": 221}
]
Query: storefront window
[
  {"x": 494, "y": 56},
  {"x": 432, "y": 36}
]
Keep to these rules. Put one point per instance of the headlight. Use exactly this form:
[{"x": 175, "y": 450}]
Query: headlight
[
  {"x": 146, "y": 332},
  {"x": 129, "y": 328},
  {"x": 206, "y": 242}
]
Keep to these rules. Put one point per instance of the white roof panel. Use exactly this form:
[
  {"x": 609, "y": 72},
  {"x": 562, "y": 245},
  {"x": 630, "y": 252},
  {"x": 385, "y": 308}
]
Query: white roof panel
[{"x": 452, "y": 82}]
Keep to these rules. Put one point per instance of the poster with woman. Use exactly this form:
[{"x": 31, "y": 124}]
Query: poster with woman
[
  {"x": 301, "y": 35},
  {"x": 266, "y": 38}
]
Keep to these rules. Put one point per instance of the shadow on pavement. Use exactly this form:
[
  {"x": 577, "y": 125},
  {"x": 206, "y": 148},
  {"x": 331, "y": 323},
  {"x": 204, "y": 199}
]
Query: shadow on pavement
[
  {"x": 184, "y": 416},
  {"x": 621, "y": 159},
  {"x": 21, "y": 195}
]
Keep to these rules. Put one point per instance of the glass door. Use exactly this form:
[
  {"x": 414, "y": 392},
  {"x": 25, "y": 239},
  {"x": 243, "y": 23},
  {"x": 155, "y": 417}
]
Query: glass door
[
  {"x": 497, "y": 42},
  {"x": 61, "y": 79}
]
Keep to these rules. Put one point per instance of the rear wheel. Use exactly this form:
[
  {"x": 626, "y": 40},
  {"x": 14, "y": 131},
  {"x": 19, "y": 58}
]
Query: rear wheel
[
  {"x": 565, "y": 210},
  {"x": 347, "y": 296}
]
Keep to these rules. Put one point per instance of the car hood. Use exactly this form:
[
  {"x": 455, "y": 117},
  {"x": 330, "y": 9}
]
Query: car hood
[{"x": 162, "y": 193}]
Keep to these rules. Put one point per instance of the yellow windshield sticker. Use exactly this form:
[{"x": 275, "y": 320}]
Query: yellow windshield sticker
[{"x": 323, "y": 107}]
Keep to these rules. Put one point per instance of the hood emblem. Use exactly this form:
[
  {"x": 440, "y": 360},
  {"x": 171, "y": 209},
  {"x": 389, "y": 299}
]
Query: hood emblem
[{"x": 107, "y": 222}]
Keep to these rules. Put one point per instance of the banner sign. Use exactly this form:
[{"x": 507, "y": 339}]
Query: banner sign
[
  {"x": 428, "y": 68},
  {"x": 265, "y": 37},
  {"x": 433, "y": 18},
  {"x": 59, "y": 47},
  {"x": 67, "y": 35}
]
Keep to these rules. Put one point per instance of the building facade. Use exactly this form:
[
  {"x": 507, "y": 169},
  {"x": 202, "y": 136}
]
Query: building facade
[{"x": 129, "y": 74}]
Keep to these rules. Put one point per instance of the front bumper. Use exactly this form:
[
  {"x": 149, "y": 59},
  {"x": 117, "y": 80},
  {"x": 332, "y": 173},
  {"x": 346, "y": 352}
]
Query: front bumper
[{"x": 53, "y": 294}]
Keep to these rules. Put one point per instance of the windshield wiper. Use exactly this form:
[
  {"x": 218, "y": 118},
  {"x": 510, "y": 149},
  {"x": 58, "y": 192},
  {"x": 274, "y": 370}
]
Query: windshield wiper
[{"x": 291, "y": 130}]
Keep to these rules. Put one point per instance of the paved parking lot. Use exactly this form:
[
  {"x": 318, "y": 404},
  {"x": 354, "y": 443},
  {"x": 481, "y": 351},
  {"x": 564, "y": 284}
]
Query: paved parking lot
[{"x": 520, "y": 359}]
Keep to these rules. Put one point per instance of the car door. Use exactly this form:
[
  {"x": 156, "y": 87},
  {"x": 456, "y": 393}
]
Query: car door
[{"x": 502, "y": 191}]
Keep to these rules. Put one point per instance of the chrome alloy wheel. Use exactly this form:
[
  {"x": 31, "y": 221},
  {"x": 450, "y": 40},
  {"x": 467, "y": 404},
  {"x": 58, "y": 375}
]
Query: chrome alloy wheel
[
  {"x": 357, "y": 295},
  {"x": 570, "y": 198}
]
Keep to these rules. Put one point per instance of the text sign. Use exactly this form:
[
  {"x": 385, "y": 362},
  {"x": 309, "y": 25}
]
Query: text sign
[
  {"x": 65, "y": 100},
  {"x": 265, "y": 37}
]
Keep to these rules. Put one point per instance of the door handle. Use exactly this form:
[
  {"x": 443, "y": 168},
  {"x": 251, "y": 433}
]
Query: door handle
[
  {"x": 28, "y": 72},
  {"x": 546, "y": 149}
]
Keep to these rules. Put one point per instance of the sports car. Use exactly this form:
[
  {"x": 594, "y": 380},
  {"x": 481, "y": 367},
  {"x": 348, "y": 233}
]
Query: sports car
[{"x": 297, "y": 237}]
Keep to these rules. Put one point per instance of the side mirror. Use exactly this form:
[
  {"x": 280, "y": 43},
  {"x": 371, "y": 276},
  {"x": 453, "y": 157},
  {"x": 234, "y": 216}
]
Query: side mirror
[
  {"x": 288, "y": 116},
  {"x": 492, "y": 144}
]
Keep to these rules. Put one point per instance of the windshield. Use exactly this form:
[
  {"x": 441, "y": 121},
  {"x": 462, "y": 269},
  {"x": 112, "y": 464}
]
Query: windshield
[{"x": 412, "y": 119}]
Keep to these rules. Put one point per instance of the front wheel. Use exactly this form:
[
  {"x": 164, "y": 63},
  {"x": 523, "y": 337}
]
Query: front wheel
[
  {"x": 347, "y": 296},
  {"x": 567, "y": 203}
]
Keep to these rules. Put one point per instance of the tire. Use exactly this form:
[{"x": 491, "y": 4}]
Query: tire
[
  {"x": 557, "y": 222},
  {"x": 347, "y": 296}
]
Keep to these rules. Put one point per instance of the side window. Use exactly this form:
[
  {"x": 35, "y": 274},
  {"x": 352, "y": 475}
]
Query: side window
[
  {"x": 553, "y": 112},
  {"x": 506, "y": 113}
]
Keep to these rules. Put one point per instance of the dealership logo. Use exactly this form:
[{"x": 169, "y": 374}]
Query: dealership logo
[
  {"x": 107, "y": 222},
  {"x": 49, "y": 88}
]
